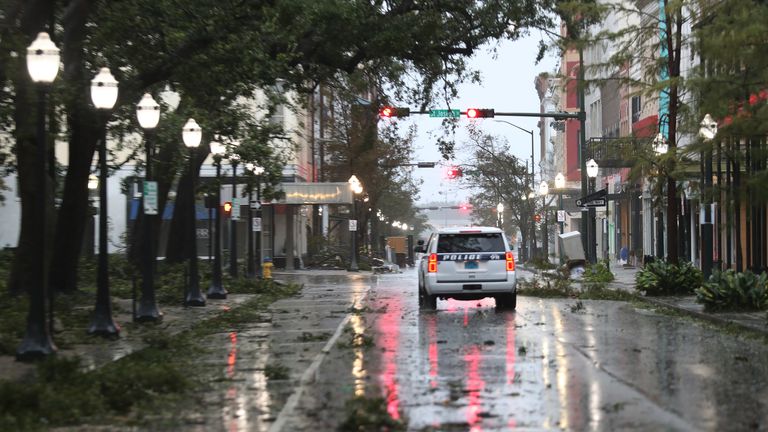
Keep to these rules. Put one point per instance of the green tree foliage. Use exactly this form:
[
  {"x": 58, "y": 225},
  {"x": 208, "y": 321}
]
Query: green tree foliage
[
  {"x": 732, "y": 86},
  {"x": 496, "y": 175},
  {"x": 212, "y": 53},
  {"x": 375, "y": 150},
  {"x": 642, "y": 53}
]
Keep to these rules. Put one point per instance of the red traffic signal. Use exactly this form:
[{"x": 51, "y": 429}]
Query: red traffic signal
[
  {"x": 537, "y": 218},
  {"x": 465, "y": 206},
  {"x": 227, "y": 208},
  {"x": 389, "y": 112},
  {"x": 480, "y": 112},
  {"x": 453, "y": 172}
]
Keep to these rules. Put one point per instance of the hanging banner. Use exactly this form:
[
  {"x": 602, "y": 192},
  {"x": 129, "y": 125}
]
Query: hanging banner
[
  {"x": 150, "y": 198},
  {"x": 235, "y": 209}
]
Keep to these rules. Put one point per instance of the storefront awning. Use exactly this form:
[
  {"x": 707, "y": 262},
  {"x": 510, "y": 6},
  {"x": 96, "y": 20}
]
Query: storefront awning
[{"x": 316, "y": 193}]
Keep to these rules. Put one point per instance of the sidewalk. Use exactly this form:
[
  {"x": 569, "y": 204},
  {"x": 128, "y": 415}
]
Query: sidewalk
[
  {"x": 625, "y": 280},
  {"x": 176, "y": 319}
]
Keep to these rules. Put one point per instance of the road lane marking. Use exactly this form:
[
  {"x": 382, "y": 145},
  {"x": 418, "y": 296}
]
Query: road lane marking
[{"x": 310, "y": 374}]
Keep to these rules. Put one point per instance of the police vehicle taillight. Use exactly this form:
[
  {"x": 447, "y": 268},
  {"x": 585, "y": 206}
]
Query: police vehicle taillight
[
  {"x": 510, "y": 262},
  {"x": 432, "y": 263}
]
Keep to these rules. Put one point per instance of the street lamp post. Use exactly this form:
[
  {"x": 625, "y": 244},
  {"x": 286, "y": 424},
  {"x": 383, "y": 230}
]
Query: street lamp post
[
  {"x": 357, "y": 188},
  {"x": 708, "y": 131},
  {"x": 216, "y": 289},
  {"x": 252, "y": 267},
  {"x": 43, "y": 66},
  {"x": 532, "y": 248},
  {"x": 592, "y": 170},
  {"x": 500, "y": 215},
  {"x": 148, "y": 114},
  {"x": 93, "y": 190},
  {"x": 544, "y": 191},
  {"x": 259, "y": 227},
  {"x": 559, "y": 186},
  {"x": 103, "y": 96},
  {"x": 192, "y": 134},
  {"x": 660, "y": 147},
  {"x": 234, "y": 159}
]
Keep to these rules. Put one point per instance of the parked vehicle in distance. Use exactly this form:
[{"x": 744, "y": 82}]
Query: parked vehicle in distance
[{"x": 468, "y": 263}]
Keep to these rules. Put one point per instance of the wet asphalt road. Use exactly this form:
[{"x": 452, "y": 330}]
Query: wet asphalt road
[{"x": 552, "y": 364}]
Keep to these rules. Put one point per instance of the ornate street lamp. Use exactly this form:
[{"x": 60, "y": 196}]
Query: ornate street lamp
[
  {"x": 708, "y": 132},
  {"x": 148, "y": 114},
  {"x": 216, "y": 289},
  {"x": 253, "y": 264},
  {"x": 103, "y": 96},
  {"x": 43, "y": 65},
  {"x": 357, "y": 188},
  {"x": 234, "y": 159},
  {"x": 592, "y": 170},
  {"x": 559, "y": 186},
  {"x": 660, "y": 145},
  {"x": 544, "y": 191},
  {"x": 192, "y": 134},
  {"x": 500, "y": 214}
]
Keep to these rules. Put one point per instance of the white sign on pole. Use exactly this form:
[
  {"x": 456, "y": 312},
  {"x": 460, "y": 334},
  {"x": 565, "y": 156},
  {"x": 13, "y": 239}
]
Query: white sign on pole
[
  {"x": 256, "y": 224},
  {"x": 353, "y": 224},
  {"x": 150, "y": 198},
  {"x": 235, "y": 209},
  {"x": 255, "y": 205},
  {"x": 561, "y": 215}
]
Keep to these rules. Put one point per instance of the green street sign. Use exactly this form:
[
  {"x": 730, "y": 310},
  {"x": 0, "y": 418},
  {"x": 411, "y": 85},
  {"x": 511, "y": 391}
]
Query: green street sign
[
  {"x": 150, "y": 198},
  {"x": 444, "y": 113},
  {"x": 235, "y": 215}
]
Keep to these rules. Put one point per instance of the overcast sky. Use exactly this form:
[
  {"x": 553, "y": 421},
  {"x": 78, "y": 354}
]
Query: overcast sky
[{"x": 507, "y": 86}]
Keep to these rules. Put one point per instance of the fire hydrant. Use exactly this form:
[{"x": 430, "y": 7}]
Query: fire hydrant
[{"x": 266, "y": 268}]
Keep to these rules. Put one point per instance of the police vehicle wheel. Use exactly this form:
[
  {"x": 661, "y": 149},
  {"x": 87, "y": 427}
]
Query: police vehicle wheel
[
  {"x": 506, "y": 301},
  {"x": 430, "y": 302}
]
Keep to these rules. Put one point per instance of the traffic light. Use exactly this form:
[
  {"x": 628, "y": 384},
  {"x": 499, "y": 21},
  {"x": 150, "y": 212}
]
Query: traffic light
[
  {"x": 453, "y": 172},
  {"x": 480, "y": 112},
  {"x": 465, "y": 206},
  {"x": 227, "y": 208},
  {"x": 389, "y": 112}
]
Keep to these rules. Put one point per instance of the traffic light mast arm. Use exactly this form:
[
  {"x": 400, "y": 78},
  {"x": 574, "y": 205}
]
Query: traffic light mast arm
[{"x": 555, "y": 115}]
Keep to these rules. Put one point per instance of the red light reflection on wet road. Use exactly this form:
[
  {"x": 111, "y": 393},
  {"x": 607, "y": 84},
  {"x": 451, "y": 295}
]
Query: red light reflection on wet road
[
  {"x": 232, "y": 357},
  {"x": 432, "y": 353},
  {"x": 510, "y": 357},
  {"x": 389, "y": 329},
  {"x": 474, "y": 387}
]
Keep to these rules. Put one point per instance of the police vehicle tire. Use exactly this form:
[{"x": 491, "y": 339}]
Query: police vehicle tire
[
  {"x": 430, "y": 302},
  {"x": 506, "y": 301}
]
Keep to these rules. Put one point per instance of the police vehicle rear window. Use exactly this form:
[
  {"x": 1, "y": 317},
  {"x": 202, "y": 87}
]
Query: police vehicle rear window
[{"x": 455, "y": 243}]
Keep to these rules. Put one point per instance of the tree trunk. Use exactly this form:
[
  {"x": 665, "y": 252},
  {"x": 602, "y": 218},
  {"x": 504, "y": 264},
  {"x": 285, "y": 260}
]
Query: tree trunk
[
  {"x": 182, "y": 222},
  {"x": 674, "y": 49},
  {"x": 85, "y": 131},
  {"x": 29, "y": 163}
]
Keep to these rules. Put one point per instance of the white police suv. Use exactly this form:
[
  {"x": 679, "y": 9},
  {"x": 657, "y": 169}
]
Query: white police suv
[{"x": 467, "y": 264}]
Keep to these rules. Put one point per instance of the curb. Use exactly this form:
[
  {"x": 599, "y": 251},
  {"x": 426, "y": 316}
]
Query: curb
[
  {"x": 713, "y": 318},
  {"x": 760, "y": 326}
]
